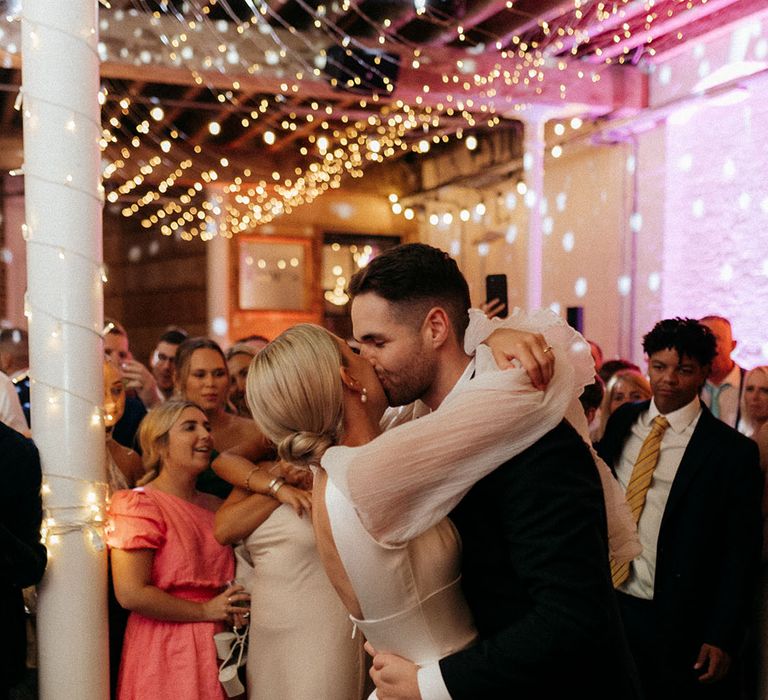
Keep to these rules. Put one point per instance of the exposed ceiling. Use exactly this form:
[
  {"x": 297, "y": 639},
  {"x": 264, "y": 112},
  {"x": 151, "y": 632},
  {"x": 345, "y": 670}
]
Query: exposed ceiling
[{"x": 284, "y": 98}]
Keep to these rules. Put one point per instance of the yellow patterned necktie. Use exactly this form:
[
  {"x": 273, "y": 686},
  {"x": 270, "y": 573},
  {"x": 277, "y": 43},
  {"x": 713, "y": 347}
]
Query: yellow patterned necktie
[{"x": 639, "y": 483}]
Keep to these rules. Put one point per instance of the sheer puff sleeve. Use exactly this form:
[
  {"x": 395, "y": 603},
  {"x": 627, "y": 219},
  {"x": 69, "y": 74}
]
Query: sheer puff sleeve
[
  {"x": 413, "y": 475},
  {"x": 135, "y": 521}
]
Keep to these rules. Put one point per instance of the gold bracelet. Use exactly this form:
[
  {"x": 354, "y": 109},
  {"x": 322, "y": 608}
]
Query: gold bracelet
[
  {"x": 276, "y": 484},
  {"x": 248, "y": 478}
]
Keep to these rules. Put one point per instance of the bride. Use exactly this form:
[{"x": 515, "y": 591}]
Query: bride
[{"x": 315, "y": 399}]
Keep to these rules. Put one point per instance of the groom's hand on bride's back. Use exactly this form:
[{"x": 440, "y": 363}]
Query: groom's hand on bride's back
[
  {"x": 531, "y": 350},
  {"x": 394, "y": 676}
]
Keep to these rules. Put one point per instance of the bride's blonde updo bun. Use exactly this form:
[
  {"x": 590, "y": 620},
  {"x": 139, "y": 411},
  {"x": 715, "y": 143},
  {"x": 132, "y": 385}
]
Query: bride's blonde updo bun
[
  {"x": 305, "y": 447},
  {"x": 295, "y": 394}
]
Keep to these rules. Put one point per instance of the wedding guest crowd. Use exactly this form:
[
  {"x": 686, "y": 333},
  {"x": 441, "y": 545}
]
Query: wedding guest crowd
[{"x": 195, "y": 552}]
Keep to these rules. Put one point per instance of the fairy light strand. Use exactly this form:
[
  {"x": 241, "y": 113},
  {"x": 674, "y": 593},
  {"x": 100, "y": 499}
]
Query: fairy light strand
[
  {"x": 88, "y": 517},
  {"x": 530, "y": 63}
]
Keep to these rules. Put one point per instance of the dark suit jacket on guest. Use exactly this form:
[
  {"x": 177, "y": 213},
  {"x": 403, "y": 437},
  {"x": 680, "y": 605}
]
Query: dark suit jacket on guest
[
  {"x": 22, "y": 557},
  {"x": 708, "y": 550},
  {"x": 536, "y": 575}
]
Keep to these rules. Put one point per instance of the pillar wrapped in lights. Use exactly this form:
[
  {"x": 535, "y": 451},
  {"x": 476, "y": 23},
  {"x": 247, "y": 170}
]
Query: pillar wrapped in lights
[{"x": 63, "y": 202}]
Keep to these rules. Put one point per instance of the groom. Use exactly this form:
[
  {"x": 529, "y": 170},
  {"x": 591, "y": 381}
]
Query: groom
[{"x": 535, "y": 559}]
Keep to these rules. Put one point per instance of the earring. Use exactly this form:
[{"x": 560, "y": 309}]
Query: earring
[{"x": 364, "y": 395}]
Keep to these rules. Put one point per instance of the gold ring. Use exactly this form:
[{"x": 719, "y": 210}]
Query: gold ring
[{"x": 548, "y": 348}]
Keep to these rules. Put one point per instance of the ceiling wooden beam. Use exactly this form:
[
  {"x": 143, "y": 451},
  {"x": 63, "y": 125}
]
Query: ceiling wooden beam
[
  {"x": 528, "y": 16},
  {"x": 164, "y": 65},
  {"x": 482, "y": 11},
  {"x": 720, "y": 21},
  {"x": 681, "y": 16}
]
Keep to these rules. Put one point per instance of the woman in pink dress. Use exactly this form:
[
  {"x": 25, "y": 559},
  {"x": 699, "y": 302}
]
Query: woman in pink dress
[{"x": 168, "y": 569}]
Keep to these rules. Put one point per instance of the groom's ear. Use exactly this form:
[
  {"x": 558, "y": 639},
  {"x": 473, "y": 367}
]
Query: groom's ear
[{"x": 437, "y": 326}]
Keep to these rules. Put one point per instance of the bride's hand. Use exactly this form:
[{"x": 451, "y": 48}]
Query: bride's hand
[
  {"x": 298, "y": 499},
  {"x": 529, "y": 349}
]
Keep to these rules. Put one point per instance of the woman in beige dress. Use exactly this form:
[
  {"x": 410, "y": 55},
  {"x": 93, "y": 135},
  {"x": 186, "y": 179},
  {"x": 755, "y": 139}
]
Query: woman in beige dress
[{"x": 302, "y": 645}]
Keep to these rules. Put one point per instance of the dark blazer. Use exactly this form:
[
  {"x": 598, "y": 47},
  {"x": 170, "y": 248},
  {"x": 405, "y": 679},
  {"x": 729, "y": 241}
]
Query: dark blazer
[
  {"x": 536, "y": 575},
  {"x": 22, "y": 557},
  {"x": 708, "y": 551}
]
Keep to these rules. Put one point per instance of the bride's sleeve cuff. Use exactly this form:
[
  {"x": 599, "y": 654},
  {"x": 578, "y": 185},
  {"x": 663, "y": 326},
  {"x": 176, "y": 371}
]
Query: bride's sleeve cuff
[{"x": 431, "y": 683}]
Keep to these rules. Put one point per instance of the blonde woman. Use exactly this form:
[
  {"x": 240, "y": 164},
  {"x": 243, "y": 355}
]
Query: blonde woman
[
  {"x": 168, "y": 569},
  {"x": 625, "y": 386},
  {"x": 755, "y": 409},
  {"x": 124, "y": 467}
]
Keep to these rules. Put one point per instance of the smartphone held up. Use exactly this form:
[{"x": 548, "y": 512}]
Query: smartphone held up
[{"x": 496, "y": 302}]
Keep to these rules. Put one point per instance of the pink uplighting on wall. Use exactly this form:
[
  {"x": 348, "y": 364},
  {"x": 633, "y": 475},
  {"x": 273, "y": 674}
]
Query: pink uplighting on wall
[{"x": 715, "y": 250}]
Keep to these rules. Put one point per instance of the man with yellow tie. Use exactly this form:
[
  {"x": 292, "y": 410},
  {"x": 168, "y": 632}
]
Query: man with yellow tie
[{"x": 694, "y": 486}]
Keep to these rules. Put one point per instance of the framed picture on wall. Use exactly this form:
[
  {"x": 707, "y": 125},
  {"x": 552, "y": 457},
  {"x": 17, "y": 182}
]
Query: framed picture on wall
[{"x": 274, "y": 274}]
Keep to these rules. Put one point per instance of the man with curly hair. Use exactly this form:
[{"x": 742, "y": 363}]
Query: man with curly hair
[{"x": 694, "y": 486}]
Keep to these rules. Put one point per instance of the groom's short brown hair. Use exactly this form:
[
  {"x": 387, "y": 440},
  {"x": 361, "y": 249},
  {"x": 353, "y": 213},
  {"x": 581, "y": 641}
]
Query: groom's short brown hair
[{"x": 417, "y": 277}]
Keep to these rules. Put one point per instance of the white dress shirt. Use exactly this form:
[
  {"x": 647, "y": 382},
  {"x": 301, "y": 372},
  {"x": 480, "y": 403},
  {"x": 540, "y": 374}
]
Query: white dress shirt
[{"x": 673, "y": 444}]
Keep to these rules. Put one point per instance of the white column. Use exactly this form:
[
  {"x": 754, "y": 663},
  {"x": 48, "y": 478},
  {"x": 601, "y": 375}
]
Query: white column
[
  {"x": 64, "y": 306},
  {"x": 218, "y": 273},
  {"x": 533, "y": 165}
]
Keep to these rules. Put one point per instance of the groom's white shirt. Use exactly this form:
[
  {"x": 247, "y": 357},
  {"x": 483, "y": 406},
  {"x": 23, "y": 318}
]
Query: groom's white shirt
[{"x": 430, "y": 679}]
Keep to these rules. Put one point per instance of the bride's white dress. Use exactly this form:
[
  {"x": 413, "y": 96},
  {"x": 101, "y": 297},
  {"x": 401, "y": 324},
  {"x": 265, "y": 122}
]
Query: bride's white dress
[
  {"x": 410, "y": 595},
  {"x": 387, "y": 501}
]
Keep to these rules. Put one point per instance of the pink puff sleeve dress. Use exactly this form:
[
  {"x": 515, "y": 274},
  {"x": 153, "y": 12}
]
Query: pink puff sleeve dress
[{"x": 170, "y": 659}]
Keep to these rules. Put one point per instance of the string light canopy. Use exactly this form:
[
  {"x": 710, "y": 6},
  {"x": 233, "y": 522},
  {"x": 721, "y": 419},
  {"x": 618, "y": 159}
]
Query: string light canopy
[{"x": 221, "y": 115}]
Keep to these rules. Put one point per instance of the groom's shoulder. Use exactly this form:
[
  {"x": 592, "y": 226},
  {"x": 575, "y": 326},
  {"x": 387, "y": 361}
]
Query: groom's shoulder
[
  {"x": 562, "y": 437},
  {"x": 560, "y": 446}
]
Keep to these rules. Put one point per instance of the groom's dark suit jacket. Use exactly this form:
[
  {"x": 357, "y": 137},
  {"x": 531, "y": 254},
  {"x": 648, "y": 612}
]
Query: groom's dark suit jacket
[
  {"x": 708, "y": 550},
  {"x": 536, "y": 574}
]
